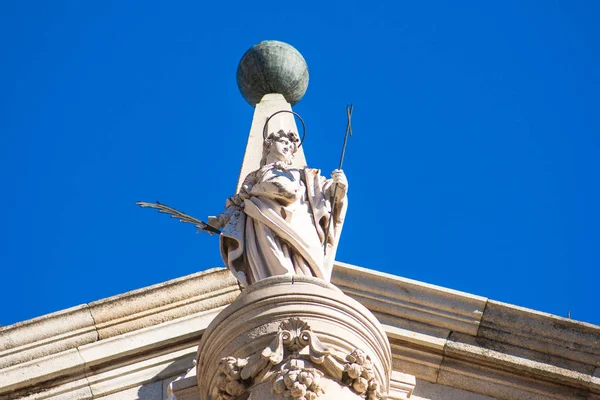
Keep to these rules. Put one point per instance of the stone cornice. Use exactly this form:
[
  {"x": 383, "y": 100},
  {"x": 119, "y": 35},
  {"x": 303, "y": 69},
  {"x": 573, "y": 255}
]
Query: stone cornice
[
  {"x": 88, "y": 323},
  {"x": 480, "y": 345},
  {"x": 439, "y": 335},
  {"x": 411, "y": 300},
  {"x": 541, "y": 332}
]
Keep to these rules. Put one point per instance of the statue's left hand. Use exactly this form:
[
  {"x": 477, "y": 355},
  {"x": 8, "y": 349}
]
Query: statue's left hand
[{"x": 339, "y": 177}]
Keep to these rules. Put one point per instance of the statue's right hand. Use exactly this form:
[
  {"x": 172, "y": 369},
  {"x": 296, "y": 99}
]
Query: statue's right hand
[{"x": 215, "y": 222}]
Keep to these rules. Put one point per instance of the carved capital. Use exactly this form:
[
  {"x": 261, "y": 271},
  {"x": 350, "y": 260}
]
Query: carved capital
[
  {"x": 300, "y": 339},
  {"x": 304, "y": 361}
]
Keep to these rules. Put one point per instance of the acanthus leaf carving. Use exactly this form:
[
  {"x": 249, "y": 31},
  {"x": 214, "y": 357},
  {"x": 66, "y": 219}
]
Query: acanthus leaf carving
[
  {"x": 255, "y": 363},
  {"x": 274, "y": 352}
]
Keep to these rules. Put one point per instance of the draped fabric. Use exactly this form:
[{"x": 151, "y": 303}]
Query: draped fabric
[{"x": 277, "y": 222}]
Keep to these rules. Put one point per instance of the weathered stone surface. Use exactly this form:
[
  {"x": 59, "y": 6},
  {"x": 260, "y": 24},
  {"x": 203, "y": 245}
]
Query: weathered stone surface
[
  {"x": 421, "y": 362},
  {"x": 596, "y": 382},
  {"x": 412, "y": 300},
  {"x": 401, "y": 386},
  {"x": 74, "y": 327},
  {"x": 180, "y": 332},
  {"x": 488, "y": 379},
  {"x": 45, "y": 335},
  {"x": 163, "y": 302},
  {"x": 415, "y": 333},
  {"x": 519, "y": 360},
  {"x": 272, "y": 67},
  {"x": 182, "y": 388},
  {"x": 144, "y": 374},
  {"x": 429, "y": 391},
  {"x": 58, "y": 374},
  {"x": 70, "y": 390},
  {"x": 82, "y": 393},
  {"x": 151, "y": 391},
  {"x": 545, "y": 333},
  {"x": 15, "y": 380}
]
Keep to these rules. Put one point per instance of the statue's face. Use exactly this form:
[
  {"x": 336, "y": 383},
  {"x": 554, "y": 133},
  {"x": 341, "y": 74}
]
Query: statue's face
[{"x": 282, "y": 149}]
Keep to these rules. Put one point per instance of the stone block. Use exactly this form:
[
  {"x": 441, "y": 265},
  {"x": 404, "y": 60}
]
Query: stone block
[
  {"x": 185, "y": 388},
  {"x": 45, "y": 335},
  {"x": 596, "y": 382},
  {"x": 491, "y": 381},
  {"x": 519, "y": 360},
  {"x": 182, "y": 331},
  {"x": 73, "y": 390},
  {"x": 429, "y": 391},
  {"x": 421, "y": 363},
  {"x": 401, "y": 386},
  {"x": 414, "y": 333},
  {"x": 142, "y": 373},
  {"x": 411, "y": 300},
  {"x": 417, "y": 348},
  {"x": 541, "y": 332},
  {"x": 150, "y": 391},
  {"x": 36, "y": 372}
]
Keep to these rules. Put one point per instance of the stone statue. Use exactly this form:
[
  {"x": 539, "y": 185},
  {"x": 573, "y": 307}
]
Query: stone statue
[
  {"x": 276, "y": 224},
  {"x": 284, "y": 219},
  {"x": 291, "y": 334}
]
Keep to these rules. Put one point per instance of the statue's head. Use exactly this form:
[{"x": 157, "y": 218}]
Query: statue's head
[{"x": 280, "y": 146}]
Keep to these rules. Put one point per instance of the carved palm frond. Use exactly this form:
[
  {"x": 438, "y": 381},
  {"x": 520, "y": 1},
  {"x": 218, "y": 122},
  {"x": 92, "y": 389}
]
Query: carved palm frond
[{"x": 162, "y": 208}]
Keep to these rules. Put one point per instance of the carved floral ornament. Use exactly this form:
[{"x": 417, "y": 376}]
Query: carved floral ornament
[{"x": 294, "y": 363}]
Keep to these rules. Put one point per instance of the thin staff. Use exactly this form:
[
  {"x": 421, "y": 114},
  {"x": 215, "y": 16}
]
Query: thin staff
[{"x": 349, "y": 109}]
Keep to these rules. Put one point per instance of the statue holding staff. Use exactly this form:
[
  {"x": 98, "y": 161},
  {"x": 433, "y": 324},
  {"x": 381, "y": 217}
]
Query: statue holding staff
[
  {"x": 285, "y": 219},
  {"x": 276, "y": 224}
]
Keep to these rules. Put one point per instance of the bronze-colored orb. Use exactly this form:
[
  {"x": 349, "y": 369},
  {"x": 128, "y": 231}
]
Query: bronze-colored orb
[{"x": 272, "y": 67}]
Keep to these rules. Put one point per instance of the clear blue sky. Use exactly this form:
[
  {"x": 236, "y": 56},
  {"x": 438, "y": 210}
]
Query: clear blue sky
[{"x": 474, "y": 163}]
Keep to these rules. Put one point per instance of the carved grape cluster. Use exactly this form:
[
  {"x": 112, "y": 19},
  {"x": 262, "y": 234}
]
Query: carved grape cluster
[
  {"x": 298, "y": 382},
  {"x": 229, "y": 383},
  {"x": 360, "y": 376}
]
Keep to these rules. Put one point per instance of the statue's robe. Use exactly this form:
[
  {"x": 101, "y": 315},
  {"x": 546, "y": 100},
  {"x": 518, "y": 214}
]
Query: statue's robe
[{"x": 277, "y": 223}]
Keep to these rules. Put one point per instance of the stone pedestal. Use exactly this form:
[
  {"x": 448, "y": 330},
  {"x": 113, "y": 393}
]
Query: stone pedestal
[{"x": 294, "y": 337}]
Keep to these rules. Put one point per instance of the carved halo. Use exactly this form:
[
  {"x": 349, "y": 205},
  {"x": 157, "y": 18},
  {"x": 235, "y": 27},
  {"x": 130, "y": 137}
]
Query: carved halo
[{"x": 286, "y": 111}]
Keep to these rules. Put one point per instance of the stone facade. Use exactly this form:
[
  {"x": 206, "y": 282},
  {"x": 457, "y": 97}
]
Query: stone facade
[{"x": 445, "y": 345}]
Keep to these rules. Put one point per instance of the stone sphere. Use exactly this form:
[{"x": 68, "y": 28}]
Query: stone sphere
[{"x": 272, "y": 67}]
